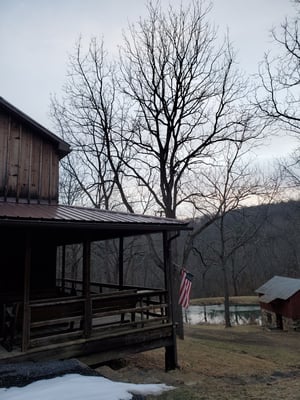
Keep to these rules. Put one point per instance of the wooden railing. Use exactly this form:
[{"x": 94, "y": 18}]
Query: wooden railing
[
  {"x": 76, "y": 286},
  {"x": 64, "y": 319}
]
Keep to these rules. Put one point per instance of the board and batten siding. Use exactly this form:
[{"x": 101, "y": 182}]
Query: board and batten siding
[{"x": 28, "y": 164}]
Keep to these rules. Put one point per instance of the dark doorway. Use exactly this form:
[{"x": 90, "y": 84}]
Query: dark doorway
[{"x": 279, "y": 322}]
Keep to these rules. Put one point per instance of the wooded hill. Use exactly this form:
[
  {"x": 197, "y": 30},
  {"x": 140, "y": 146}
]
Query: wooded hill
[{"x": 257, "y": 243}]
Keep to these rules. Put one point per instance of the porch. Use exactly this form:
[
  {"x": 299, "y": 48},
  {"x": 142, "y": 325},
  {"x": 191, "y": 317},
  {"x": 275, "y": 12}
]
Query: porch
[
  {"x": 90, "y": 308},
  {"x": 108, "y": 323}
]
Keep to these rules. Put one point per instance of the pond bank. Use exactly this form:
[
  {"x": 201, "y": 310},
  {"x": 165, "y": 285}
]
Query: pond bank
[{"x": 234, "y": 300}]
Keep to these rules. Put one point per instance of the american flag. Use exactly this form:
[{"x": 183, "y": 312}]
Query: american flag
[{"x": 185, "y": 288}]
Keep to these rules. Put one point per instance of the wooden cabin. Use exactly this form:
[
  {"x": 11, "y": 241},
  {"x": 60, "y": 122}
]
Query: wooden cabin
[
  {"x": 44, "y": 312},
  {"x": 280, "y": 303}
]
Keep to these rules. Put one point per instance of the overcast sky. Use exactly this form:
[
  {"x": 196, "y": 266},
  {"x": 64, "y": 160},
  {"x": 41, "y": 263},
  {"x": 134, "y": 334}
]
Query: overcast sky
[{"x": 36, "y": 37}]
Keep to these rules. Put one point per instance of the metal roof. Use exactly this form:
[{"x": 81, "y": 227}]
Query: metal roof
[
  {"x": 278, "y": 287},
  {"x": 63, "y": 147},
  {"x": 45, "y": 214}
]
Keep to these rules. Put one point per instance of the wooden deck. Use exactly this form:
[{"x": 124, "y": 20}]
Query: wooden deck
[
  {"x": 97, "y": 349},
  {"x": 96, "y": 329}
]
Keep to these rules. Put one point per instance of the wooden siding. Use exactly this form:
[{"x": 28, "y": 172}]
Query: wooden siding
[{"x": 28, "y": 164}]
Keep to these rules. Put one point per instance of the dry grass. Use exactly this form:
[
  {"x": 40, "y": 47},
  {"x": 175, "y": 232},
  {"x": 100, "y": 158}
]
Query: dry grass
[
  {"x": 243, "y": 362},
  {"x": 220, "y": 300}
]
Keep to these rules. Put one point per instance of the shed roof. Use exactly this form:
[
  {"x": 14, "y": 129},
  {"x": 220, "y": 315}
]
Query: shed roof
[
  {"x": 94, "y": 222},
  {"x": 62, "y": 146},
  {"x": 278, "y": 287}
]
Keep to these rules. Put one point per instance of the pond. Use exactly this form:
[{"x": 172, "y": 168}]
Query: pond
[{"x": 214, "y": 314}]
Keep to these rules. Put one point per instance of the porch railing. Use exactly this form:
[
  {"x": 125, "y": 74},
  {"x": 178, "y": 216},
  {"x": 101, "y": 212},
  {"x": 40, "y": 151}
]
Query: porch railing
[
  {"x": 76, "y": 286},
  {"x": 68, "y": 318}
]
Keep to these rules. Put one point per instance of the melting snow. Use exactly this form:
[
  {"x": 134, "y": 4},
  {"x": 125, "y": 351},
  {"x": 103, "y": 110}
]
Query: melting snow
[{"x": 78, "y": 387}]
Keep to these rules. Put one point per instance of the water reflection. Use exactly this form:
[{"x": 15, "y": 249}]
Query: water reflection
[{"x": 214, "y": 314}]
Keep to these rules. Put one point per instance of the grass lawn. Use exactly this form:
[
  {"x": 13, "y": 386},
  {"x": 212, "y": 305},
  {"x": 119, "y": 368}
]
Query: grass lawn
[{"x": 218, "y": 363}]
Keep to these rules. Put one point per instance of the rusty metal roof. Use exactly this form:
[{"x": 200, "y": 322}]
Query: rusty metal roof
[
  {"x": 63, "y": 147},
  {"x": 278, "y": 287},
  {"x": 44, "y": 214}
]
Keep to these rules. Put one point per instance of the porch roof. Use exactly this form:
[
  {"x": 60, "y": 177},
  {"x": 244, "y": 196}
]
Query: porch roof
[{"x": 95, "y": 223}]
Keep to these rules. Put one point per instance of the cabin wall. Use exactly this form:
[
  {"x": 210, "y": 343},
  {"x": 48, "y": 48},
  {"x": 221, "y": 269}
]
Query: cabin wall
[
  {"x": 43, "y": 268},
  {"x": 28, "y": 164},
  {"x": 43, "y": 265},
  {"x": 12, "y": 265}
]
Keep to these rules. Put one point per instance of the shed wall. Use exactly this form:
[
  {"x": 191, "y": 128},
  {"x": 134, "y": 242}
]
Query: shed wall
[{"x": 289, "y": 308}]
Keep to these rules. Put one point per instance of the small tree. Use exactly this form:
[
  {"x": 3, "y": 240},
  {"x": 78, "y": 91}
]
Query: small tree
[{"x": 227, "y": 190}]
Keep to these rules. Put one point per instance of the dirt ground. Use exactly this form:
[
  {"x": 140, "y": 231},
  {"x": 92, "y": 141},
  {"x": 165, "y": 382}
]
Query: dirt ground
[{"x": 242, "y": 362}]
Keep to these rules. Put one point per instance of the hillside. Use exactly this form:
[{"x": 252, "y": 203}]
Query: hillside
[{"x": 258, "y": 243}]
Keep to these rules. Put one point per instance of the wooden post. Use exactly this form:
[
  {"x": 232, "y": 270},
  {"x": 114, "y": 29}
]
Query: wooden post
[
  {"x": 121, "y": 262},
  {"x": 87, "y": 321},
  {"x": 26, "y": 294},
  {"x": 170, "y": 351},
  {"x": 63, "y": 268}
]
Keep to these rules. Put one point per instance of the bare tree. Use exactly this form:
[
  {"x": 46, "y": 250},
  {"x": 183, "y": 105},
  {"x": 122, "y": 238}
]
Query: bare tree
[
  {"x": 227, "y": 190},
  {"x": 90, "y": 117},
  {"x": 144, "y": 134},
  {"x": 290, "y": 169},
  {"x": 277, "y": 97},
  {"x": 188, "y": 99},
  {"x": 280, "y": 78}
]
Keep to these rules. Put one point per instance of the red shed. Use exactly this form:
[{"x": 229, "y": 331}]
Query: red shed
[{"x": 280, "y": 303}]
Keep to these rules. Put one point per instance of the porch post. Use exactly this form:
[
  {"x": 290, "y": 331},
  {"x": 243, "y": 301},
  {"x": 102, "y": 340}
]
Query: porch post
[
  {"x": 63, "y": 268},
  {"x": 87, "y": 320},
  {"x": 170, "y": 351},
  {"x": 121, "y": 262},
  {"x": 26, "y": 294}
]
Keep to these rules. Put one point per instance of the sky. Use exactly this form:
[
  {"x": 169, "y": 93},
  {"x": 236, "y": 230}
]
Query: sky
[
  {"x": 36, "y": 37},
  {"x": 78, "y": 387}
]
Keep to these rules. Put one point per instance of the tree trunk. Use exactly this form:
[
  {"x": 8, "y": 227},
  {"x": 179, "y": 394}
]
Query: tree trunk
[{"x": 226, "y": 298}]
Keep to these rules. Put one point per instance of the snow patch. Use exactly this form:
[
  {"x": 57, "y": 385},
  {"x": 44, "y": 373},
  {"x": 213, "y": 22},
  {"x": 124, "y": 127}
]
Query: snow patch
[{"x": 78, "y": 387}]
